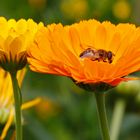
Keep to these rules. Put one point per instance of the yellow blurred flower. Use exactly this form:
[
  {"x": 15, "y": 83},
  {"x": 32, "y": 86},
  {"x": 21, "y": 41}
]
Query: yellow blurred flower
[
  {"x": 122, "y": 9},
  {"x": 74, "y": 9},
  {"x": 15, "y": 37},
  {"x": 7, "y": 100},
  {"x": 47, "y": 108},
  {"x": 37, "y": 4}
]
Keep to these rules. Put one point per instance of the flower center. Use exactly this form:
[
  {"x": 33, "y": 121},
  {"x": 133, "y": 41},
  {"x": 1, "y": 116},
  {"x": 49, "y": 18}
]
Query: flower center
[{"x": 99, "y": 55}]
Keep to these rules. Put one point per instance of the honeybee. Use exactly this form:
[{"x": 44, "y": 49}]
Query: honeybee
[{"x": 99, "y": 55}]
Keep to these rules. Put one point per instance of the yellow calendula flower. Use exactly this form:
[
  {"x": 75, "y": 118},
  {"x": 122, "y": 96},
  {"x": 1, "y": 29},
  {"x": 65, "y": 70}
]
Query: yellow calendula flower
[
  {"x": 15, "y": 38},
  {"x": 96, "y": 55},
  {"x": 7, "y": 100},
  {"x": 89, "y": 52}
]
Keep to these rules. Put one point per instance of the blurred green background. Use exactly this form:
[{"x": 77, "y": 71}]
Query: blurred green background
[{"x": 68, "y": 112}]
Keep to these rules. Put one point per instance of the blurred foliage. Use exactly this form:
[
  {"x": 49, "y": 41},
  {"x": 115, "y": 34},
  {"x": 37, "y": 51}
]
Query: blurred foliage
[{"x": 67, "y": 112}]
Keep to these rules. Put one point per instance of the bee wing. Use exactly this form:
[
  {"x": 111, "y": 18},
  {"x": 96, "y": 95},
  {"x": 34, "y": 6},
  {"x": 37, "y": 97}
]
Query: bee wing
[{"x": 86, "y": 55}]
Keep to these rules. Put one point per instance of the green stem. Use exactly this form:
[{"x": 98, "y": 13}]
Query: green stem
[
  {"x": 17, "y": 98},
  {"x": 117, "y": 118},
  {"x": 100, "y": 101}
]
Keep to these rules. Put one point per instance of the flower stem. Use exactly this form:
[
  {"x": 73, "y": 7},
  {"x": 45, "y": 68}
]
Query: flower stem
[
  {"x": 100, "y": 101},
  {"x": 117, "y": 118},
  {"x": 17, "y": 98}
]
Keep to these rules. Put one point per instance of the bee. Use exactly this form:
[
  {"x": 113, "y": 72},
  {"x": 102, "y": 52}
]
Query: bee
[{"x": 99, "y": 55}]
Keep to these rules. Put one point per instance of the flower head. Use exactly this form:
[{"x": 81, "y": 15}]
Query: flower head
[
  {"x": 89, "y": 52},
  {"x": 7, "y": 100},
  {"x": 15, "y": 37}
]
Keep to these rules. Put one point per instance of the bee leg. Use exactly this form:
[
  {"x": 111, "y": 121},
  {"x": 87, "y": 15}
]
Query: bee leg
[
  {"x": 93, "y": 59},
  {"x": 110, "y": 61}
]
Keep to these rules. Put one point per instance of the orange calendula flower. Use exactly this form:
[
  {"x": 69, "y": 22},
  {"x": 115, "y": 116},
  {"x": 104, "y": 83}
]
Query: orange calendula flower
[
  {"x": 15, "y": 37},
  {"x": 93, "y": 54},
  {"x": 7, "y": 100}
]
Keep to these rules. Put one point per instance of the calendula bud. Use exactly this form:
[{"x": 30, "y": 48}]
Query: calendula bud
[{"x": 129, "y": 88}]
